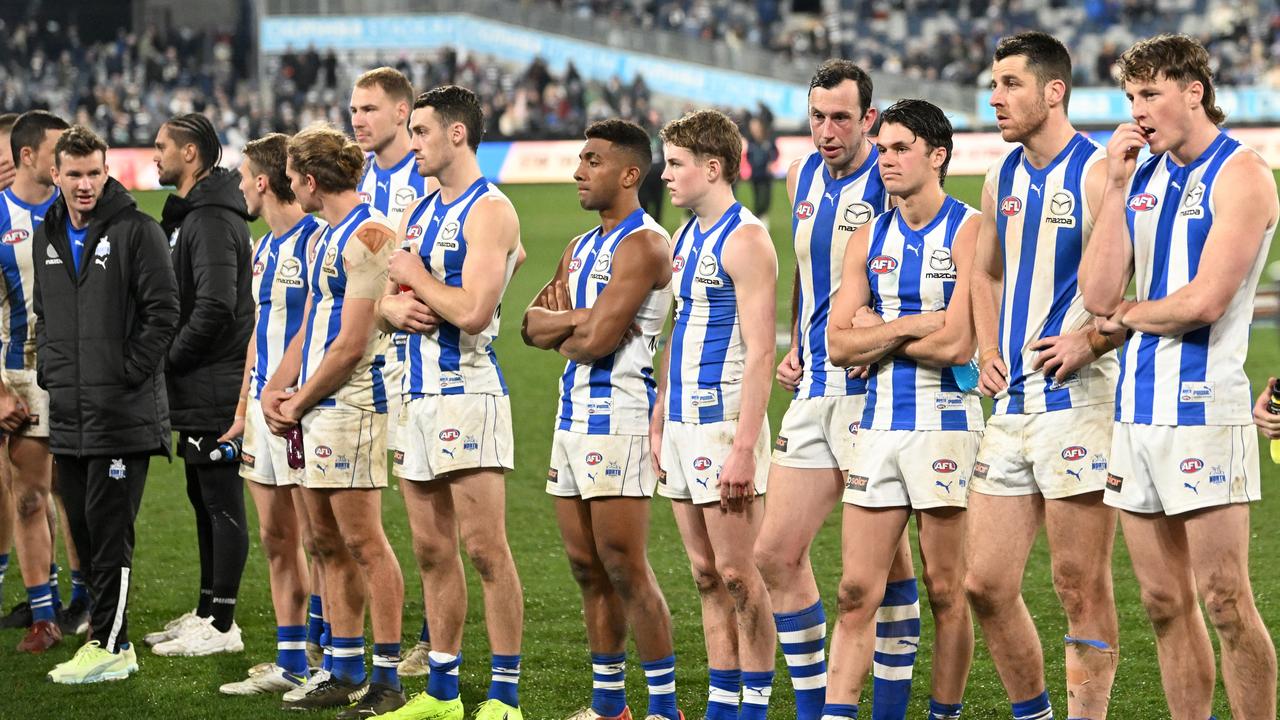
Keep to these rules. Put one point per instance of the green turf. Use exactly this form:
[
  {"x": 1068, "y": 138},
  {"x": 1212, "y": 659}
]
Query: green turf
[{"x": 556, "y": 677}]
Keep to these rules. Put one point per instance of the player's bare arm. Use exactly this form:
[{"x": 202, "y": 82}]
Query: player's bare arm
[
  {"x": 953, "y": 343},
  {"x": 790, "y": 370},
  {"x": 987, "y": 289},
  {"x": 493, "y": 232},
  {"x": 641, "y": 264},
  {"x": 1107, "y": 263},
  {"x": 398, "y": 310},
  {"x": 548, "y": 319},
  {"x": 860, "y": 342},
  {"x": 1240, "y": 219},
  {"x": 749, "y": 260}
]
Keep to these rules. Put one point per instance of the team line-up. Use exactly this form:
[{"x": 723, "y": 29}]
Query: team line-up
[{"x": 359, "y": 333}]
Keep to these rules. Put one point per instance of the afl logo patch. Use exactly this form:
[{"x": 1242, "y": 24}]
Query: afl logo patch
[
  {"x": 324, "y": 451},
  {"x": 945, "y": 465},
  {"x": 450, "y": 434},
  {"x": 575, "y": 265},
  {"x": 15, "y": 236},
  {"x": 258, "y": 267},
  {"x": 701, "y": 463},
  {"x": 882, "y": 264},
  {"x": 1075, "y": 452},
  {"x": 1191, "y": 465},
  {"x": 1010, "y": 206},
  {"x": 677, "y": 264},
  {"x": 804, "y": 210},
  {"x": 413, "y": 232},
  {"x": 1143, "y": 202},
  {"x": 365, "y": 197},
  {"x": 594, "y": 458}
]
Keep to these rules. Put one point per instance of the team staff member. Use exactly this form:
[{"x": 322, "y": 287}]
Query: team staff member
[
  {"x": 212, "y": 260},
  {"x": 107, "y": 306}
]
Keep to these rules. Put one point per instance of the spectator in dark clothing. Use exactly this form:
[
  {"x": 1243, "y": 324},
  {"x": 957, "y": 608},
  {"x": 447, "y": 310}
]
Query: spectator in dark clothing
[
  {"x": 209, "y": 239},
  {"x": 106, "y": 306},
  {"x": 762, "y": 153}
]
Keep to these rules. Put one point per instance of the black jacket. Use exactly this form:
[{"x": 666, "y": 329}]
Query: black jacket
[
  {"x": 212, "y": 259},
  {"x": 102, "y": 333}
]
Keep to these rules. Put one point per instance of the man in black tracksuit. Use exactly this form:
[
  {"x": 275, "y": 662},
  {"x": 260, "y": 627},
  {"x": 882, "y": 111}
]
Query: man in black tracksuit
[
  {"x": 205, "y": 220},
  {"x": 106, "y": 305}
]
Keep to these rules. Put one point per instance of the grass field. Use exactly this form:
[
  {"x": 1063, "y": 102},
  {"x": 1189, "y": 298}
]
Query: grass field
[{"x": 556, "y": 678}]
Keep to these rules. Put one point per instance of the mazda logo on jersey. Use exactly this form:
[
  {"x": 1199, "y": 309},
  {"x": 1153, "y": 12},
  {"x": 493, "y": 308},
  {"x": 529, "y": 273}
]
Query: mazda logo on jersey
[
  {"x": 1010, "y": 206},
  {"x": 1191, "y": 465},
  {"x": 882, "y": 264},
  {"x": 414, "y": 232},
  {"x": 945, "y": 465},
  {"x": 404, "y": 196},
  {"x": 707, "y": 266},
  {"x": 1075, "y": 452},
  {"x": 450, "y": 434},
  {"x": 1062, "y": 207},
  {"x": 1143, "y": 202},
  {"x": 804, "y": 210},
  {"x": 290, "y": 267},
  {"x": 450, "y": 230},
  {"x": 856, "y": 215},
  {"x": 941, "y": 260},
  {"x": 602, "y": 261},
  {"x": 701, "y": 463},
  {"x": 15, "y": 236}
]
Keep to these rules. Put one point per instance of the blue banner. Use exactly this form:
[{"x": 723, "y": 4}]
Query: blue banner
[{"x": 1109, "y": 106}]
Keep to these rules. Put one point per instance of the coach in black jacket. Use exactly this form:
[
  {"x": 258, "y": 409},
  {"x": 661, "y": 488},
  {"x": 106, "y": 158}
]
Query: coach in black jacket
[
  {"x": 205, "y": 219},
  {"x": 106, "y": 306}
]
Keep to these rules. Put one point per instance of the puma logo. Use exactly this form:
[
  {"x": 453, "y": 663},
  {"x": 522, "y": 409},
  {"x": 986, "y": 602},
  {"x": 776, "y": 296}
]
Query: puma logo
[
  {"x": 915, "y": 249},
  {"x": 1037, "y": 189},
  {"x": 1193, "y": 488},
  {"x": 908, "y": 643},
  {"x": 831, "y": 198},
  {"x": 447, "y": 451},
  {"x": 944, "y": 486},
  {"x": 702, "y": 482},
  {"x": 1075, "y": 474},
  {"x": 591, "y": 477},
  {"x": 195, "y": 442}
]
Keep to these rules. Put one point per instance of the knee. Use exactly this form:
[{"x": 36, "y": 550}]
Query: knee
[
  {"x": 277, "y": 542},
  {"x": 706, "y": 579},
  {"x": 1165, "y": 606},
  {"x": 989, "y": 595},
  {"x": 1225, "y": 603},
  {"x": 487, "y": 558},
  {"x": 31, "y": 503},
  {"x": 621, "y": 569},
  {"x": 946, "y": 594},
  {"x": 736, "y": 580},
  {"x": 586, "y": 572},
  {"x": 325, "y": 548},
  {"x": 1074, "y": 588},
  {"x": 775, "y": 563},
  {"x": 854, "y": 597}
]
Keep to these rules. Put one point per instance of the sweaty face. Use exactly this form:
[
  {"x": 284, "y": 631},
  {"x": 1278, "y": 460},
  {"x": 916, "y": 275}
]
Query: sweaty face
[
  {"x": 81, "y": 179},
  {"x": 1162, "y": 109},
  {"x": 307, "y": 199},
  {"x": 906, "y": 161},
  {"x": 428, "y": 138},
  {"x": 375, "y": 117},
  {"x": 837, "y": 124},
  {"x": 601, "y": 167},
  {"x": 685, "y": 176},
  {"x": 1018, "y": 99},
  {"x": 167, "y": 157}
]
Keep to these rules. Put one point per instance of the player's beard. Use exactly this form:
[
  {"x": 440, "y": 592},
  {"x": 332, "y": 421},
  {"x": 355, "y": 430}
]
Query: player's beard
[
  {"x": 168, "y": 177},
  {"x": 1036, "y": 120}
]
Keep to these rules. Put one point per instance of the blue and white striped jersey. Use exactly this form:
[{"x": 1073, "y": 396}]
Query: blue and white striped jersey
[
  {"x": 910, "y": 272},
  {"x": 339, "y": 259},
  {"x": 449, "y": 361},
  {"x": 704, "y": 375},
  {"x": 1197, "y": 378},
  {"x": 280, "y": 291},
  {"x": 1043, "y": 222},
  {"x": 393, "y": 190},
  {"x": 825, "y": 214},
  {"x": 18, "y": 222},
  {"x": 615, "y": 394}
]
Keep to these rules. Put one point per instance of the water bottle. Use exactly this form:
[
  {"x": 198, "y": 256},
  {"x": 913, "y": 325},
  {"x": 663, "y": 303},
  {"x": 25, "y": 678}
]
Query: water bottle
[
  {"x": 228, "y": 451},
  {"x": 966, "y": 376}
]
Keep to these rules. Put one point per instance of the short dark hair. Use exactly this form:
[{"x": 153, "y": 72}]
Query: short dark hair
[
  {"x": 453, "y": 104},
  {"x": 79, "y": 141},
  {"x": 835, "y": 71},
  {"x": 29, "y": 129},
  {"x": 268, "y": 155},
  {"x": 927, "y": 122},
  {"x": 628, "y": 137},
  {"x": 197, "y": 129},
  {"x": 1047, "y": 58},
  {"x": 6, "y": 121},
  {"x": 1177, "y": 57}
]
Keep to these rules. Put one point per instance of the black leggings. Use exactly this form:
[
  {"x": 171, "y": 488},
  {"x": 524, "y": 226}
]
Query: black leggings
[{"x": 216, "y": 493}]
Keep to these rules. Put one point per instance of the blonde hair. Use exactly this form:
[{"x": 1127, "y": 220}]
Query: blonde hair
[
  {"x": 392, "y": 81},
  {"x": 329, "y": 156},
  {"x": 708, "y": 133}
]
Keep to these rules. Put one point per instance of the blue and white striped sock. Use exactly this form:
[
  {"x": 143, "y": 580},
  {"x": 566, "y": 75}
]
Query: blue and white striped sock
[
  {"x": 722, "y": 695},
  {"x": 40, "y": 600},
  {"x": 326, "y": 642},
  {"x": 291, "y": 649},
  {"x": 832, "y": 711},
  {"x": 661, "y": 677},
  {"x": 315, "y": 620},
  {"x": 348, "y": 659},
  {"x": 442, "y": 680},
  {"x": 1037, "y": 708},
  {"x": 79, "y": 590},
  {"x": 897, "y": 639},
  {"x": 803, "y": 636},
  {"x": 942, "y": 711},
  {"x": 386, "y": 657},
  {"x": 756, "y": 689},
  {"x": 608, "y": 684},
  {"x": 504, "y": 679},
  {"x": 53, "y": 588}
]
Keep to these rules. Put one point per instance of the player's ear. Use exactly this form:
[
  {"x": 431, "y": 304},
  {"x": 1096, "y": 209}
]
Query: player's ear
[
  {"x": 630, "y": 177},
  {"x": 869, "y": 119},
  {"x": 714, "y": 168},
  {"x": 1054, "y": 91},
  {"x": 1195, "y": 93}
]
